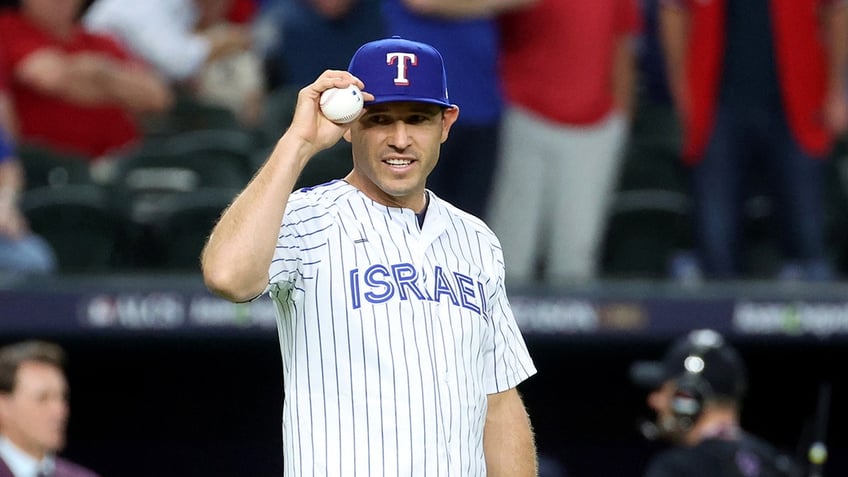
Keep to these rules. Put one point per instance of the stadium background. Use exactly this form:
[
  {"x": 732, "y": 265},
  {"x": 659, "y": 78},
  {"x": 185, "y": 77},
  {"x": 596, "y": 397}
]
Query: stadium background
[{"x": 167, "y": 380}]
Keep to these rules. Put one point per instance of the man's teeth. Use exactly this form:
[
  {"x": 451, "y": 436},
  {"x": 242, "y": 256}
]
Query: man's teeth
[{"x": 398, "y": 162}]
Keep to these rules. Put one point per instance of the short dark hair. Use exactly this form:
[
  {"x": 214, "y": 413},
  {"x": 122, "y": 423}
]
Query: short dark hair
[{"x": 13, "y": 355}]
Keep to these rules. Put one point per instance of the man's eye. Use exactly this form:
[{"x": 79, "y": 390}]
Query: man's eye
[{"x": 379, "y": 119}]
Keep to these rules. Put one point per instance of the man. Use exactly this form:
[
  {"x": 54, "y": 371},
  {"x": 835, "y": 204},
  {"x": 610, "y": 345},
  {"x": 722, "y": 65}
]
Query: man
[
  {"x": 563, "y": 132},
  {"x": 34, "y": 412},
  {"x": 400, "y": 352},
  {"x": 697, "y": 391},
  {"x": 73, "y": 91},
  {"x": 466, "y": 34},
  {"x": 194, "y": 46},
  {"x": 759, "y": 87}
]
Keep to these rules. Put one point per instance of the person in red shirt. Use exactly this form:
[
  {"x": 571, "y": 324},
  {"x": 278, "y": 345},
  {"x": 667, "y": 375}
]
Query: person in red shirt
[
  {"x": 759, "y": 87},
  {"x": 568, "y": 72},
  {"x": 74, "y": 91}
]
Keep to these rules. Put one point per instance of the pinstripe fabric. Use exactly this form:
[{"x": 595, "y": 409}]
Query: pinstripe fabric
[{"x": 391, "y": 336}]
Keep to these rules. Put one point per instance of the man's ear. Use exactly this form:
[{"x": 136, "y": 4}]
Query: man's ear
[
  {"x": 346, "y": 135},
  {"x": 449, "y": 116}
]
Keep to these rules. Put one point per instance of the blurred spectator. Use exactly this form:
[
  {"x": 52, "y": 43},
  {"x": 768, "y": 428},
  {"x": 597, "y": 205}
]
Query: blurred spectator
[
  {"x": 568, "y": 70},
  {"x": 759, "y": 87},
  {"x": 73, "y": 91},
  {"x": 314, "y": 35},
  {"x": 8, "y": 123},
  {"x": 20, "y": 250},
  {"x": 34, "y": 411},
  {"x": 696, "y": 392},
  {"x": 660, "y": 121},
  {"x": 467, "y": 38},
  {"x": 243, "y": 11},
  {"x": 652, "y": 75},
  {"x": 193, "y": 44}
]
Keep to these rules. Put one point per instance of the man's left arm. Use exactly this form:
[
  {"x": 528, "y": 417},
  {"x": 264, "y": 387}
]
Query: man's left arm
[{"x": 508, "y": 441}]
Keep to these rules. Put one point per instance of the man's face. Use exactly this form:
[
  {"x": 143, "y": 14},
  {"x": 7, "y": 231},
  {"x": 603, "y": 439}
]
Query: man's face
[
  {"x": 34, "y": 416},
  {"x": 395, "y": 147}
]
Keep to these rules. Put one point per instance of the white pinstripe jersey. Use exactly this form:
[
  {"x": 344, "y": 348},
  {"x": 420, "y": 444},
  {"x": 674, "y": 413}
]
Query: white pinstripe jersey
[{"x": 391, "y": 336}]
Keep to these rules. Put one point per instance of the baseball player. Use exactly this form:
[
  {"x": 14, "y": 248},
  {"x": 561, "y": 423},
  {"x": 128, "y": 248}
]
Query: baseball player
[{"x": 400, "y": 353}]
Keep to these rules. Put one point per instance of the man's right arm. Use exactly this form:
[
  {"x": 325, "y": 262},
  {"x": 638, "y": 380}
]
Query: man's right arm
[{"x": 239, "y": 251}]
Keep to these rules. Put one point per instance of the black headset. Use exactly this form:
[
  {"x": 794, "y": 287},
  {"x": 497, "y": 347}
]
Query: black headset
[
  {"x": 692, "y": 390},
  {"x": 690, "y": 393}
]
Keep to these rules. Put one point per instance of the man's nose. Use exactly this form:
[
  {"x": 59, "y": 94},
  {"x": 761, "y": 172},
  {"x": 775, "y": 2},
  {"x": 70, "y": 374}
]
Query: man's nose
[{"x": 400, "y": 135}]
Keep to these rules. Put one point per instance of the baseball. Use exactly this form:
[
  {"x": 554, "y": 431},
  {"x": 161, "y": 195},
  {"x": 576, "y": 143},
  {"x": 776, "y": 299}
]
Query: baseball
[{"x": 341, "y": 105}]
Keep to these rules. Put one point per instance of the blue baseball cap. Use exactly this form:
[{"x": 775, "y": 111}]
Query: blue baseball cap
[{"x": 395, "y": 69}]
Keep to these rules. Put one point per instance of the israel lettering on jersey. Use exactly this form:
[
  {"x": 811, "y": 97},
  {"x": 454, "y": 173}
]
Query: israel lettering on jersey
[{"x": 392, "y": 336}]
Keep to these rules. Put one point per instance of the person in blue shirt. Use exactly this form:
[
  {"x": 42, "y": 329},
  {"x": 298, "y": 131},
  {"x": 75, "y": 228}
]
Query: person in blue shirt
[
  {"x": 20, "y": 249},
  {"x": 467, "y": 38}
]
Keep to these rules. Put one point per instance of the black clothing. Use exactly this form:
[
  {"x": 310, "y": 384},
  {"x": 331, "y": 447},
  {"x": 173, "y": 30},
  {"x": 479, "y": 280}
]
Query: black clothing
[{"x": 745, "y": 456}]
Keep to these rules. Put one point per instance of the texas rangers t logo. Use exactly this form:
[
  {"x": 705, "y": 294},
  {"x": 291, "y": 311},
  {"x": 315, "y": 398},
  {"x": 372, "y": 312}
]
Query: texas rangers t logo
[{"x": 403, "y": 60}]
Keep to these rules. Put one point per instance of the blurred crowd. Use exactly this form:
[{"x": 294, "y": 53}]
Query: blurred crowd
[{"x": 662, "y": 139}]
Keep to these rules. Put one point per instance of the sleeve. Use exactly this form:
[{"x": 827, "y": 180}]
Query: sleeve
[
  {"x": 629, "y": 20},
  {"x": 7, "y": 150},
  {"x": 508, "y": 360},
  {"x": 17, "y": 41},
  {"x": 286, "y": 265},
  {"x": 4, "y": 73},
  {"x": 157, "y": 37}
]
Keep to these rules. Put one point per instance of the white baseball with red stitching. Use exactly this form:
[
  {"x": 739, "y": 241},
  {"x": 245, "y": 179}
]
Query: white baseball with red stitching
[{"x": 341, "y": 105}]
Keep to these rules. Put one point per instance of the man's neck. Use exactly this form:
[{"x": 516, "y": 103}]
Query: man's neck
[{"x": 19, "y": 461}]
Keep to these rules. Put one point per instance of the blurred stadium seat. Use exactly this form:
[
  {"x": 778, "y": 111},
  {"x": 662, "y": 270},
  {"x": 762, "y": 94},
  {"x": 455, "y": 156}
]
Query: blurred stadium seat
[
  {"x": 836, "y": 191},
  {"x": 180, "y": 164},
  {"x": 277, "y": 113},
  {"x": 79, "y": 223},
  {"x": 190, "y": 114},
  {"x": 645, "y": 228},
  {"x": 185, "y": 223},
  {"x": 46, "y": 167},
  {"x": 333, "y": 163},
  {"x": 173, "y": 178},
  {"x": 652, "y": 165}
]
